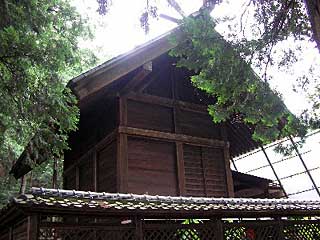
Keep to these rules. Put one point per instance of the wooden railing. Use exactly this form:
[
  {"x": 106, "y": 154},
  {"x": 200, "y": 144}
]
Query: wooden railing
[{"x": 178, "y": 229}]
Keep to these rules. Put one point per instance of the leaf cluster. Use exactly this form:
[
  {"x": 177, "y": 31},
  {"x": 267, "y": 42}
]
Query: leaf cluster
[
  {"x": 38, "y": 49},
  {"x": 222, "y": 73}
]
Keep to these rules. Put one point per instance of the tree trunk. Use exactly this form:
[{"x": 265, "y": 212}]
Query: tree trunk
[
  {"x": 4, "y": 14},
  {"x": 55, "y": 174},
  {"x": 23, "y": 184},
  {"x": 313, "y": 9}
]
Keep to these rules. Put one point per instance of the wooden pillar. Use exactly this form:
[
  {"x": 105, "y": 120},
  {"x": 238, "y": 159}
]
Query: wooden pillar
[
  {"x": 226, "y": 151},
  {"x": 122, "y": 163},
  {"x": 180, "y": 169},
  {"x": 32, "y": 227},
  {"x": 122, "y": 149}
]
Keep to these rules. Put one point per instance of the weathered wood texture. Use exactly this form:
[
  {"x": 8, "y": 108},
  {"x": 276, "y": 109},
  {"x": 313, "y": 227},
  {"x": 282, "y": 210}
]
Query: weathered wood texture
[
  {"x": 69, "y": 179},
  {"x": 86, "y": 181},
  {"x": 97, "y": 120},
  {"x": 20, "y": 230},
  {"x": 195, "y": 124},
  {"x": 150, "y": 116},
  {"x": 106, "y": 168},
  {"x": 152, "y": 167},
  {"x": 5, "y": 235},
  {"x": 204, "y": 171}
]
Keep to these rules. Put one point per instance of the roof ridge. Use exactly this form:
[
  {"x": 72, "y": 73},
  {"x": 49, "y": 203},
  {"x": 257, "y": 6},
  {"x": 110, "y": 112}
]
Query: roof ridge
[{"x": 156, "y": 198}]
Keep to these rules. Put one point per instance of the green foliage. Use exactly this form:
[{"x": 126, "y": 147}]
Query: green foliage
[
  {"x": 222, "y": 72},
  {"x": 38, "y": 50}
]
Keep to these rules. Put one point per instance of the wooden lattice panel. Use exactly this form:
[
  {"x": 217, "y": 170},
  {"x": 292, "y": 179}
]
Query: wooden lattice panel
[
  {"x": 302, "y": 231},
  {"x": 185, "y": 232},
  {"x": 257, "y": 232},
  {"x": 87, "y": 234}
]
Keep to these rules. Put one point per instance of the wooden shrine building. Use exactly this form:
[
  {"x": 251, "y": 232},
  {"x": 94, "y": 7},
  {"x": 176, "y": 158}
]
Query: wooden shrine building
[{"x": 146, "y": 157}]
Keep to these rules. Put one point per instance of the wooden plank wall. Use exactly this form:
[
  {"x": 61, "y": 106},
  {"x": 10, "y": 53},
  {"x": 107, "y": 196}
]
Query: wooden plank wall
[
  {"x": 106, "y": 168},
  {"x": 20, "y": 230},
  {"x": 93, "y": 150},
  {"x": 152, "y": 167},
  {"x": 159, "y": 163}
]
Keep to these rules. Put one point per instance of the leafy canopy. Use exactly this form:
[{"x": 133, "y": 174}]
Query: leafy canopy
[
  {"x": 222, "y": 73},
  {"x": 38, "y": 52}
]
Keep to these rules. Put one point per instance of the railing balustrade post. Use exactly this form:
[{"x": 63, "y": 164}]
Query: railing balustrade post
[
  {"x": 139, "y": 229},
  {"x": 280, "y": 229},
  {"x": 219, "y": 229}
]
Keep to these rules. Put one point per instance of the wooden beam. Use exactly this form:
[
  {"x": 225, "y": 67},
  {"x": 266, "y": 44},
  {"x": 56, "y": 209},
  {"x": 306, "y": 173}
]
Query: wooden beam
[
  {"x": 180, "y": 168},
  {"x": 137, "y": 79},
  {"x": 167, "y": 102},
  {"x": 172, "y": 137}
]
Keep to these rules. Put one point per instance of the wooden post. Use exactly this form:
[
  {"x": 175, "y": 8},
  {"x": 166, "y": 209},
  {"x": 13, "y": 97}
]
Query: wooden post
[
  {"x": 122, "y": 163},
  {"x": 77, "y": 177},
  {"x": 139, "y": 229},
  {"x": 122, "y": 108},
  {"x": 32, "y": 227},
  {"x": 204, "y": 171},
  {"x": 229, "y": 178},
  {"x": 280, "y": 229},
  {"x": 226, "y": 150},
  {"x": 122, "y": 149},
  {"x": 180, "y": 168},
  {"x": 55, "y": 173},
  {"x": 218, "y": 229},
  {"x": 10, "y": 233},
  {"x": 95, "y": 171}
]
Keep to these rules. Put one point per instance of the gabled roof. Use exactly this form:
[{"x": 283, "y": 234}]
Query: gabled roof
[
  {"x": 112, "y": 70},
  {"x": 111, "y": 204}
]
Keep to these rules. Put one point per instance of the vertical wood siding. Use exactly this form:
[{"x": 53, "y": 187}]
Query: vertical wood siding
[
  {"x": 70, "y": 179},
  {"x": 196, "y": 124},
  {"x": 152, "y": 167},
  {"x": 20, "y": 231},
  {"x": 86, "y": 181},
  {"x": 106, "y": 168},
  {"x": 204, "y": 171}
]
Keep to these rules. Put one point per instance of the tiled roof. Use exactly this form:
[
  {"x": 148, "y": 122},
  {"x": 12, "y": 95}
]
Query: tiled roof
[{"x": 133, "y": 203}]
